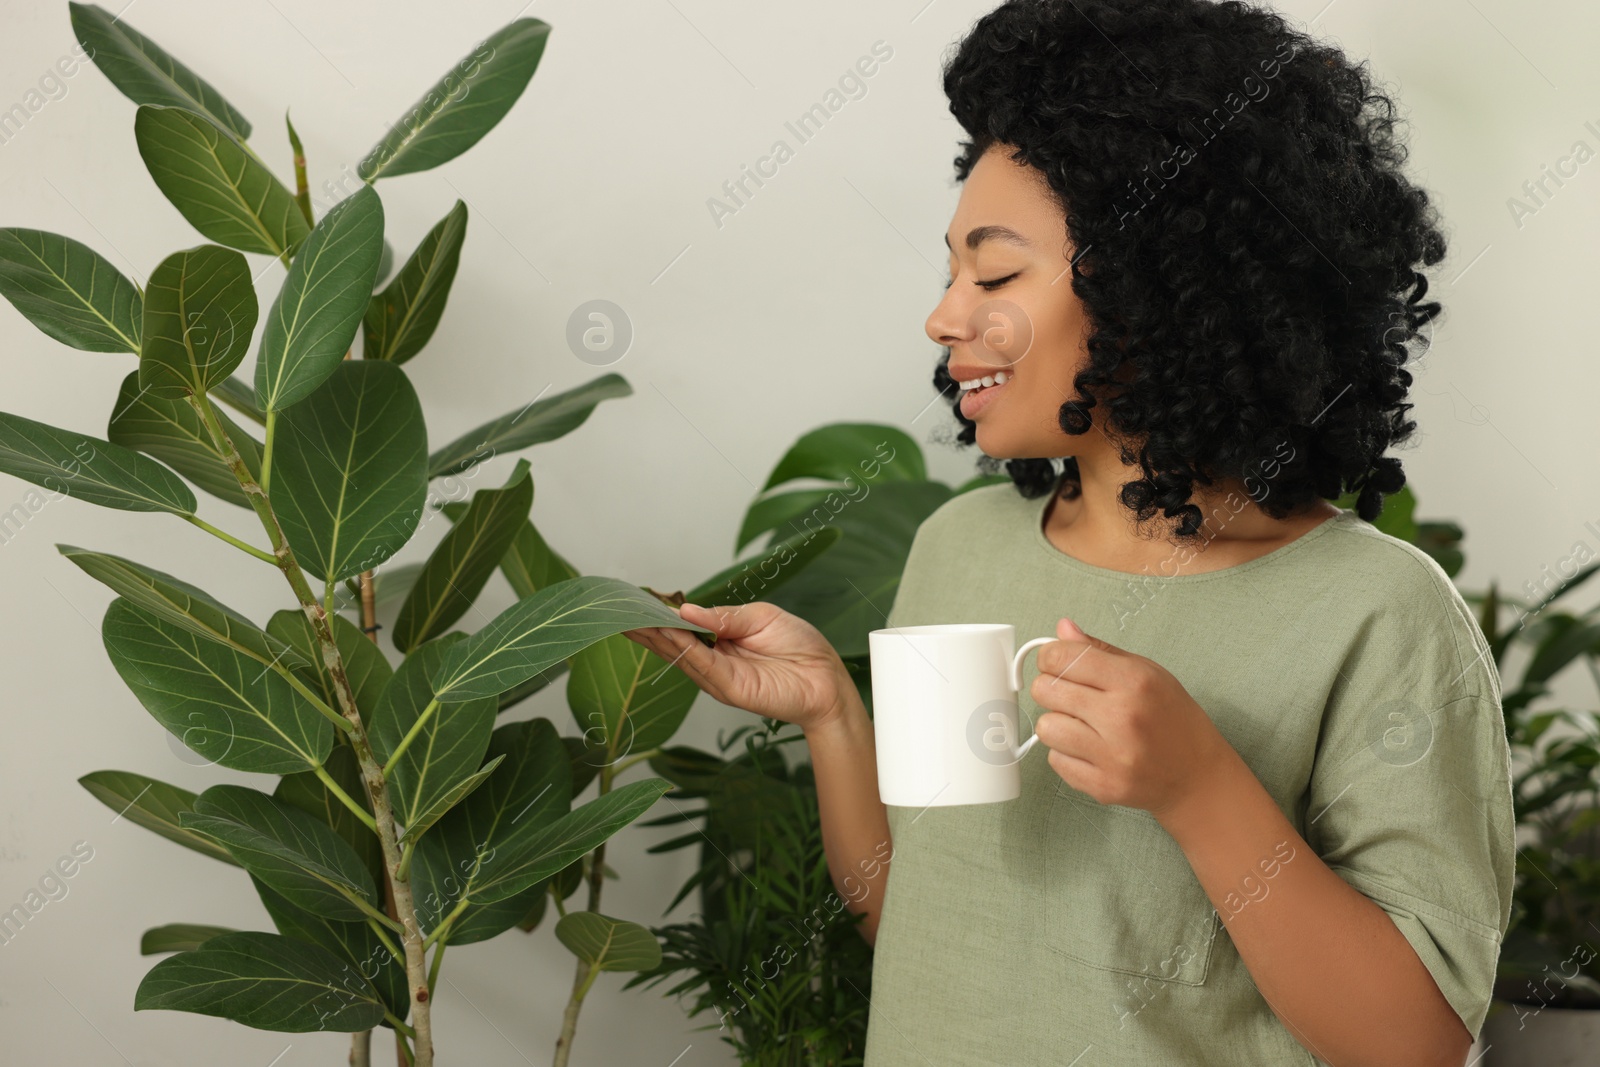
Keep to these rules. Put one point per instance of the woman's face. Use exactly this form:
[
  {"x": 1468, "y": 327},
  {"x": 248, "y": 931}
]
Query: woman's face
[{"x": 1010, "y": 309}]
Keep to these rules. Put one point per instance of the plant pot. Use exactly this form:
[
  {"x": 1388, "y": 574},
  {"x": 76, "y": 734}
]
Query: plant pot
[{"x": 1526, "y": 1035}]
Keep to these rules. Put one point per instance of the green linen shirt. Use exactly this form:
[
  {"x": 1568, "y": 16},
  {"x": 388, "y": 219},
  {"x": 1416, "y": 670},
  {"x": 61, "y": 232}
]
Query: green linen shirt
[{"x": 1348, "y": 673}]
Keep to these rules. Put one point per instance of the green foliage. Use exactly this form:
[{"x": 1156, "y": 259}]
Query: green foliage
[
  {"x": 400, "y": 319},
  {"x": 460, "y": 566},
  {"x": 389, "y": 776},
  {"x": 773, "y": 951},
  {"x": 462, "y": 106},
  {"x": 199, "y": 313},
  {"x": 221, "y": 188},
  {"x": 145, "y": 72},
  {"x": 214, "y": 698},
  {"x": 70, "y": 291},
  {"x": 267, "y": 981},
  {"x": 315, "y": 317},
  {"x": 443, "y": 745},
  {"x": 349, "y": 477},
  {"x": 171, "y": 431},
  {"x": 89, "y": 469},
  {"x": 534, "y": 423}
]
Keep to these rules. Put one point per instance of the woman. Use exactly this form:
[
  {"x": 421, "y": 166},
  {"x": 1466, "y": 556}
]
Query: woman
[{"x": 1269, "y": 819}]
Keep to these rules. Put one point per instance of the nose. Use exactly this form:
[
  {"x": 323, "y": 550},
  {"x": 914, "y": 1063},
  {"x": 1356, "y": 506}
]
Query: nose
[{"x": 950, "y": 321}]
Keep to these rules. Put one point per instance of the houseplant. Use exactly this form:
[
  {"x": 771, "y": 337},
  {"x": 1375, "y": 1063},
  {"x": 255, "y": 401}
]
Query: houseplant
[
  {"x": 404, "y": 819},
  {"x": 1547, "y": 994},
  {"x": 773, "y": 950}
]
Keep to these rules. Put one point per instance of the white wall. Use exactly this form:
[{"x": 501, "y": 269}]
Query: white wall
[{"x": 803, "y": 308}]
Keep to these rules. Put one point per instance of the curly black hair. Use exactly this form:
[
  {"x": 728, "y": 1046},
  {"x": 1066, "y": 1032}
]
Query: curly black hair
[{"x": 1247, "y": 246}]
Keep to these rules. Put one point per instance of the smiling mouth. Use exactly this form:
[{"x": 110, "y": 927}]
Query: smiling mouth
[{"x": 975, "y": 385}]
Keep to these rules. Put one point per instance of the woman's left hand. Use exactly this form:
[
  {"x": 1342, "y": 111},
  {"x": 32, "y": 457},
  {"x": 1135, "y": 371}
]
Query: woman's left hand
[{"x": 1120, "y": 727}]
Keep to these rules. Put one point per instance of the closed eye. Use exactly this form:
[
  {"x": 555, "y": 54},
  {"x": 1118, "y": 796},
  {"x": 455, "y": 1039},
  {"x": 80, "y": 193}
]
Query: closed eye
[{"x": 988, "y": 286}]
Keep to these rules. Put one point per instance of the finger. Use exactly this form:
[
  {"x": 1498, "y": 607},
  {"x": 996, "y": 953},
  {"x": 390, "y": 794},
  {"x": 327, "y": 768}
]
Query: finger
[
  {"x": 1078, "y": 773},
  {"x": 706, "y": 666},
  {"x": 731, "y": 620},
  {"x": 1074, "y": 661},
  {"x": 1070, "y": 735},
  {"x": 1069, "y": 630}
]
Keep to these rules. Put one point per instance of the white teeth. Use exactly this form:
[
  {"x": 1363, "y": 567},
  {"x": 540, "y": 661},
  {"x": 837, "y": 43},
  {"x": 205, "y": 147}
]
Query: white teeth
[{"x": 997, "y": 378}]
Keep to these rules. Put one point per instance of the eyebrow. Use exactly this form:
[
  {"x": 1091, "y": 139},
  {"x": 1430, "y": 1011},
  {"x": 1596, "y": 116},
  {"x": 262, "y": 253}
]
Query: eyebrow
[{"x": 980, "y": 234}]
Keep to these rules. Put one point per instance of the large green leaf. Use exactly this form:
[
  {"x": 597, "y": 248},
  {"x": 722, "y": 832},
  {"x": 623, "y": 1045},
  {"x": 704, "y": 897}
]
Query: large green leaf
[
  {"x": 531, "y": 854},
  {"x": 532, "y": 788},
  {"x": 199, "y": 314},
  {"x": 214, "y": 698},
  {"x": 68, "y": 290},
  {"x": 222, "y": 190},
  {"x": 178, "y": 937},
  {"x": 533, "y": 423},
  {"x": 293, "y": 852},
  {"x": 544, "y": 629},
  {"x": 153, "y": 805},
  {"x": 307, "y": 792},
  {"x": 144, "y": 72},
  {"x": 522, "y": 691},
  {"x": 531, "y": 564},
  {"x": 607, "y": 943},
  {"x": 851, "y": 451},
  {"x": 171, "y": 431},
  {"x": 349, "y": 474},
  {"x": 365, "y": 666},
  {"x": 401, "y": 319},
  {"x": 627, "y": 698},
  {"x": 314, "y": 319},
  {"x": 64, "y": 461},
  {"x": 461, "y": 564},
  {"x": 176, "y": 601},
  {"x": 799, "y": 510},
  {"x": 462, "y": 106},
  {"x": 354, "y": 943},
  {"x": 447, "y": 749},
  {"x": 848, "y": 590},
  {"x": 756, "y": 578},
  {"x": 265, "y": 981}
]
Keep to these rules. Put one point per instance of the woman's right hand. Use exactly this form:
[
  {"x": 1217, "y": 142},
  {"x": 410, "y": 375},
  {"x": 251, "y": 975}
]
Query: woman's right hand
[{"x": 766, "y": 660}]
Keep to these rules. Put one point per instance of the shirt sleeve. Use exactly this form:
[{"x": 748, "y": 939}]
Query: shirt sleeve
[{"x": 1410, "y": 793}]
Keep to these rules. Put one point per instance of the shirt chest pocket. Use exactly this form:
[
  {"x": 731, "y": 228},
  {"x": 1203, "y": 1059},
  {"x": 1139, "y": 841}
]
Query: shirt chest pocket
[{"x": 1121, "y": 893}]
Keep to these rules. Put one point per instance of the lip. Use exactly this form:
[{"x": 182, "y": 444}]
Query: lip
[
  {"x": 974, "y": 403},
  {"x": 966, "y": 372}
]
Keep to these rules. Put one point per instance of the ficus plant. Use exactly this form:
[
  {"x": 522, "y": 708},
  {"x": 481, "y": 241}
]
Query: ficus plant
[{"x": 404, "y": 818}]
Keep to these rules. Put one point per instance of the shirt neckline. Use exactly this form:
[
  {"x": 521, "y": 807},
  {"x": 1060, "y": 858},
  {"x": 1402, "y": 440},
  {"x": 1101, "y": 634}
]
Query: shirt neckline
[{"x": 1095, "y": 571}]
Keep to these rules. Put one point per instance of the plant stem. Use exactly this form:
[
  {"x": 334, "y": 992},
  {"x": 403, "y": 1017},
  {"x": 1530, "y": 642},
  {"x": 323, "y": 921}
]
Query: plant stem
[
  {"x": 344, "y": 798},
  {"x": 361, "y": 1049},
  {"x": 631, "y": 760},
  {"x": 433, "y": 971},
  {"x": 569, "y": 1022},
  {"x": 411, "y": 735},
  {"x": 377, "y": 928},
  {"x": 232, "y": 540},
  {"x": 400, "y": 1027},
  {"x": 405, "y": 1049},
  {"x": 371, "y": 771},
  {"x": 266, "y": 452},
  {"x": 373, "y": 914},
  {"x": 449, "y": 920},
  {"x": 586, "y": 972}
]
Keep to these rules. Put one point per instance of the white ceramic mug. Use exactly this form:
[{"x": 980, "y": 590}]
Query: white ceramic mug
[{"x": 944, "y": 710}]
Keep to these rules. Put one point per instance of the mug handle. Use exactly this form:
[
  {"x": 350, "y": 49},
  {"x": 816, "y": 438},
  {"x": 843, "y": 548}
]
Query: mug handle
[{"x": 1016, "y": 683}]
